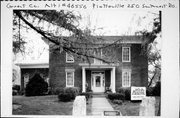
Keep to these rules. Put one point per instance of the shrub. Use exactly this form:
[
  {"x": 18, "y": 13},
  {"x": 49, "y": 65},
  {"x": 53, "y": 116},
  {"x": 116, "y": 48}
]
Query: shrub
[
  {"x": 119, "y": 102},
  {"x": 126, "y": 92},
  {"x": 57, "y": 91},
  {"x": 88, "y": 89},
  {"x": 68, "y": 93},
  {"x": 108, "y": 90},
  {"x": 87, "y": 95},
  {"x": 116, "y": 96},
  {"x": 16, "y": 87},
  {"x": 74, "y": 91},
  {"x": 36, "y": 86},
  {"x": 157, "y": 89},
  {"x": 149, "y": 91},
  {"x": 65, "y": 97},
  {"x": 14, "y": 92},
  {"x": 121, "y": 90}
]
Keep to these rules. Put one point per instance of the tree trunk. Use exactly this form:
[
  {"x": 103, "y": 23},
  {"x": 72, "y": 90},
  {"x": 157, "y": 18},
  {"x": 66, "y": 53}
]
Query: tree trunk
[
  {"x": 151, "y": 79},
  {"x": 159, "y": 110}
]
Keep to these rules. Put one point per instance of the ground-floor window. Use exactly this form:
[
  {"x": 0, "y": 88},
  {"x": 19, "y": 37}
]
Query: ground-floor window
[
  {"x": 70, "y": 78},
  {"x": 26, "y": 79},
  {"x": 126, "y": 78}
]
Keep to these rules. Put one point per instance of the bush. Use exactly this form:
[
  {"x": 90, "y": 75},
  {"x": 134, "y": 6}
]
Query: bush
[
  {"x": 74, "y": 91},
  {"x": 119, "y": 102},
  {"x": 57, "y": 91},
  {"x": 157, "y": 89},
  {"x": 36, "y": 86},
  {"x": 14, "y": 92},
  {"x": 16, "y": 87},
  {"x": 108, "y": 90},
  {"x": 149, "y": 91},
  {"x": 126, "y": 92},
  {"x": 116, "y": 96},
  {"x": 70, "y": 92},
  {"x": 65, "y": 97},
  {"x": 87, "y": 95},
  {"x": 88, "y": 89}
]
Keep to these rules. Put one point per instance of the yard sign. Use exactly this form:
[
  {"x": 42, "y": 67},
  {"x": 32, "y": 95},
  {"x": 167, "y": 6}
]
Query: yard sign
[{"x": 137, "y": 93}]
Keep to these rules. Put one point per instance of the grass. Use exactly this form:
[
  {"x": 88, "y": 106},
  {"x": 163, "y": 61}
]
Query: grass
[
  {"x": 89, "y": 106},
  {"x": 129, "y": 108},
  {"x": 41, "y": 105}
]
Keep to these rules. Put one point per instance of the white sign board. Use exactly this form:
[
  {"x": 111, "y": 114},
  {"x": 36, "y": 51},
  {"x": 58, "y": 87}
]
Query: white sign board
[{"x": 137, "y": 93}]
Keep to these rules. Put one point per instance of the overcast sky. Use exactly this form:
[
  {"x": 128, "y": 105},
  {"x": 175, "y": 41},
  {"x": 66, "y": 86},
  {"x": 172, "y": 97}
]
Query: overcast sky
[{"x": 117, "y": 22}]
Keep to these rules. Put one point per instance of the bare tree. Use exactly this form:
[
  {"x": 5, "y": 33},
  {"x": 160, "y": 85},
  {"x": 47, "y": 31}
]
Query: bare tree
[{"x": 80, "y": 42}]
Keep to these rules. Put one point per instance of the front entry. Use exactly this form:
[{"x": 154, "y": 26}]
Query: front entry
[{"x": 98, "y": 82}]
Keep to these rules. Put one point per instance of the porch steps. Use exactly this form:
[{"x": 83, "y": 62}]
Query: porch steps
[{"x": 98, "y": 95}]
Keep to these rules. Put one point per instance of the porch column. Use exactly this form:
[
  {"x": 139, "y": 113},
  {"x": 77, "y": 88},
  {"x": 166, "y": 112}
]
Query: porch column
[
  {"x": 83, "y": 80},
  {"x": 113, "y": 80}
]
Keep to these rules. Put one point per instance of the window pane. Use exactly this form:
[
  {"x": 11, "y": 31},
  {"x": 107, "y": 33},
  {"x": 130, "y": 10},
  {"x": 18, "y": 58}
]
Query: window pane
[
  {"x": 126, "y": 54},
  {"x": 98, "y": 54},
  {"x": 126, "y": 79},
  {"x": 69, "y": 78},
  {"x": 69, "y": 58}
]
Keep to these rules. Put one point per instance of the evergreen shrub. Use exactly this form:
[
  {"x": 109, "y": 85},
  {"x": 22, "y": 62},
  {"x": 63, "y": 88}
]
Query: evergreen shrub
[{"x": 36, "y": 86}]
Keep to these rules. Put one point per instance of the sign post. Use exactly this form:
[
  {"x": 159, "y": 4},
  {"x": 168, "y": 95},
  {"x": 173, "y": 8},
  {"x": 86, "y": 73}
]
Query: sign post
[{"x": 138, "y": 93}]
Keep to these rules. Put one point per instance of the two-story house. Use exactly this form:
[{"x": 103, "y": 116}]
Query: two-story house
[{"x": 65, "y": 70}]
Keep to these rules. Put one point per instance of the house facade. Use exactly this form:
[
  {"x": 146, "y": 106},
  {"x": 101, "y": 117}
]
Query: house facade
[{"x": 65, "y": 70}]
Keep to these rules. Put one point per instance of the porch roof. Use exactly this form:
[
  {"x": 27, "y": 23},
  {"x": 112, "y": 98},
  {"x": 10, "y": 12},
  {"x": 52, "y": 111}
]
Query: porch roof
[
  {"x": 32, "y": 64},
  {"x": 97, "y": 66}
]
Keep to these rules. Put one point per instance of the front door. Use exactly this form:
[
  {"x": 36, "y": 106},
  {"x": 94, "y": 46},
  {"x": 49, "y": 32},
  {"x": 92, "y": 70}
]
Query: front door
[{"x": 98, "y": 82}]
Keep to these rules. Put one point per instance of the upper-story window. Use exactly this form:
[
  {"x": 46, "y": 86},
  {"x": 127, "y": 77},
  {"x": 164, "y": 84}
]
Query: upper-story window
[
  {"x": 126, "y": 54},
  {"x": 99, "y": 55},
  {"x": 69, "y": 58}
]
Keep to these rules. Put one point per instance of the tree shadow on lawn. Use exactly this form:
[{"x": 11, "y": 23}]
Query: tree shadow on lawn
[
  {"x": 41, "y": 105},
  {"x": 89, "y": 107},
  {"x": 129, "y": 108}
]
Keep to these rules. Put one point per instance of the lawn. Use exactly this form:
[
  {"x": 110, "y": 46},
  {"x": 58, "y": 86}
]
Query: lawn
[
  {"x": 41, "y": 105},
  {"x": 129, "y": 108}
]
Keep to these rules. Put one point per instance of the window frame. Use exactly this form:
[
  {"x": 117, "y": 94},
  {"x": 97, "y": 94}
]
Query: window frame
[
  {"x": 123, "y": 54},
  {"x": 123, "y": 79},
  {"x": 96, "y": 61},
  {"x": 69, "y": 71},
  {"x": 68, "y": 61}
]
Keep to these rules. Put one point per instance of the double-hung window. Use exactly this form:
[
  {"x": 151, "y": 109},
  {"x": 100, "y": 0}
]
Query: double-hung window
[
  {"x": 99, "y": 55},
  {"x": 126, "y": 54},
  {"x": 69, "y": 58},
  {"x": 69, "y": 77},
  {"x": 126, "y": 78}
]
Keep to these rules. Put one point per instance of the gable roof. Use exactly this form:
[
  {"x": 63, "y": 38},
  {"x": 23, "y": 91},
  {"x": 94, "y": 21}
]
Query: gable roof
[
  {"x": 122, "y": 39},
  {"x": 133, "y": 39}
]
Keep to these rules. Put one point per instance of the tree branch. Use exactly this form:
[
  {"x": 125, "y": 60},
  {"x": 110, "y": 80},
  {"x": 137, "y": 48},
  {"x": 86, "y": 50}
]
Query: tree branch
[{"x": 18, "y": 13}]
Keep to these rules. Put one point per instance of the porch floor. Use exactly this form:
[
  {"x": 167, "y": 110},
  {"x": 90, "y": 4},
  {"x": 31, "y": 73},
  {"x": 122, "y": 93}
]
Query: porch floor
[{"x": 100, "y": 104}]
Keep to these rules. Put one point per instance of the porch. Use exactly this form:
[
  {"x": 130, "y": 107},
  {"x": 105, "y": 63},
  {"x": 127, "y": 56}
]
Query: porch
[{"x": 98, "y": 77}]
